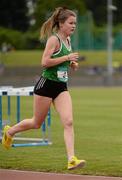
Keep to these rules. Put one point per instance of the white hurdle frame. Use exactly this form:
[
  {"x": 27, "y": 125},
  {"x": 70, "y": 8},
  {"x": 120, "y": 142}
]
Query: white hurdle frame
[{"x": 18, "y": 92}]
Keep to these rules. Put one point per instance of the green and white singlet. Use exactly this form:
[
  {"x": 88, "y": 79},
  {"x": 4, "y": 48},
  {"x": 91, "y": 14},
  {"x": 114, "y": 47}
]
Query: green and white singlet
[{"x": 59, "y": 72}]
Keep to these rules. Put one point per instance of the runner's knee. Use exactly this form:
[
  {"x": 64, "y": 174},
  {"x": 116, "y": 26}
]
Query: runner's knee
[
  {"x": 36, "y": 124},
  {"x": 68, "y": 122}
]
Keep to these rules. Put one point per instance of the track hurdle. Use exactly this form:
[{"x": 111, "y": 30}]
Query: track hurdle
[{"x": 45, "y": 128}]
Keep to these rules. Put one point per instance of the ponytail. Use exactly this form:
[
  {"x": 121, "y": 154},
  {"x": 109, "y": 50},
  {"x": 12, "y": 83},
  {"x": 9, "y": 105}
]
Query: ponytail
[{"x": 48, "y": 26}]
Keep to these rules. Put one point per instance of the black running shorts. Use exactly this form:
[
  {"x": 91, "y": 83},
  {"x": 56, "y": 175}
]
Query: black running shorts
[{"x": 49, "y": 88}]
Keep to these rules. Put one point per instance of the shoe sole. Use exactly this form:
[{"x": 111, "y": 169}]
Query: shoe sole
[{"x": 80, "y": 165}]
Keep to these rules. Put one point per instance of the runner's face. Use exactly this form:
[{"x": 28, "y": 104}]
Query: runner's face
[{"x": 68, "y": 27}]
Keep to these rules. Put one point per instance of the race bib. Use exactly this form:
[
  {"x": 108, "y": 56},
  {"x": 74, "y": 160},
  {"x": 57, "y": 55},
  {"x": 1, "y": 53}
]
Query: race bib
[{"x": 62, "y": 74}]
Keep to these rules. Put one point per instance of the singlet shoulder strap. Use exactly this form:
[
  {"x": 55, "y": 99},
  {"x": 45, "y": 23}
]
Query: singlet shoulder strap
[
  {"x": 57, "y": 37},
  {"x": 56, "y": 52}
]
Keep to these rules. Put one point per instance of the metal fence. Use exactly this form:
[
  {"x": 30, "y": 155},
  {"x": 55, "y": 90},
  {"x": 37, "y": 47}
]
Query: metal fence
[{"x": 89, "y": 37}]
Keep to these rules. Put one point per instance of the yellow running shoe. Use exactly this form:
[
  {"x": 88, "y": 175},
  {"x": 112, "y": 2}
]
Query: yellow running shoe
[
  {"x": 75, "y": 163},
  {"x": 6, "y": 140}
]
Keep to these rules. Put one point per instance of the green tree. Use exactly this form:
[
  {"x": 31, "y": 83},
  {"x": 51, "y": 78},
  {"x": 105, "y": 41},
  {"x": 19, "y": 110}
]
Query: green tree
[
  {"x": 118, "y": 12},
  {"x": 99, "y": 11},
  {"x": 44, "y": 8},
  {"x": 13, "y": 14}
]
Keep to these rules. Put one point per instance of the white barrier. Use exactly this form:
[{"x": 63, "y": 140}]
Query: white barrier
[{"x": 18, "y": 92}]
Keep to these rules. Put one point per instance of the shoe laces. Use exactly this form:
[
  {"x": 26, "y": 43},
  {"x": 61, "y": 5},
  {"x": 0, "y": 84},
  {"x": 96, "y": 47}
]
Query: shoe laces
[{"x": 73, "y": 159}]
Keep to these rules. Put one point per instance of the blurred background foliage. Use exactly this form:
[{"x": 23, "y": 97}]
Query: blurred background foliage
[{"x": 20, "y": 22}]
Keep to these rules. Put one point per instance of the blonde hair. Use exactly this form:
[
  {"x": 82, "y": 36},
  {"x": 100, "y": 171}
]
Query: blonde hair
[{"x": 60, "y": 15}]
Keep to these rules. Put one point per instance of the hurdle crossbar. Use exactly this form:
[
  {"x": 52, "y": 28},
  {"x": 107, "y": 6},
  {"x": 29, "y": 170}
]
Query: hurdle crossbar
[{"x": 18, "y": 92}]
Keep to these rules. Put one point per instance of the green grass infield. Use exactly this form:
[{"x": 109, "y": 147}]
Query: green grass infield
[
  {"x": 98, "y": 135},
  {"x": 33, "y": 58}
]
